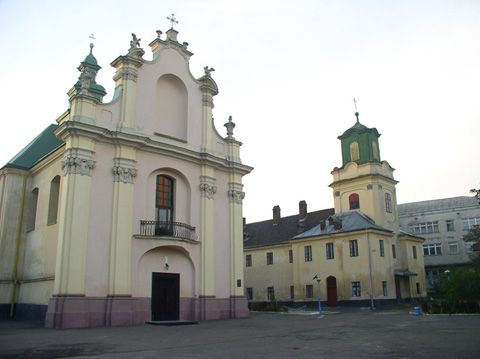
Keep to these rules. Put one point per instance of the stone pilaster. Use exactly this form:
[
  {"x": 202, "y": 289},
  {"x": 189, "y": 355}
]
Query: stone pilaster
[
  {"x": 235, "y": 196},
  {"x": 77, "y": 165},
  {"x": 124, "y": 172},
  {"x": 207, "y": 190}
]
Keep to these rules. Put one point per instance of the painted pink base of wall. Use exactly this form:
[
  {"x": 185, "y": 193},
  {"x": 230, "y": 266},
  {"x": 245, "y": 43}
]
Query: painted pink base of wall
[{"x": 81, "y": 312}]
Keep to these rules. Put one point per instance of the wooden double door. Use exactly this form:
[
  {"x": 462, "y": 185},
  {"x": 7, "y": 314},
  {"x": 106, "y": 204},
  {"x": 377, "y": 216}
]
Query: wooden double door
[
  {"x": 165, "y": 296},
  {"x": 331, "y": 291}
]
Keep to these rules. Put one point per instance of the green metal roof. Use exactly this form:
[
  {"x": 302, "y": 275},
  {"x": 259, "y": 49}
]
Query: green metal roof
[{"x": 42, "y": 145}]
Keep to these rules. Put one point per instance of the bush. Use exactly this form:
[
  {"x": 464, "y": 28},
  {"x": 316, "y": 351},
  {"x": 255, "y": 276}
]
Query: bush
[{"x": 272, "y": 306}]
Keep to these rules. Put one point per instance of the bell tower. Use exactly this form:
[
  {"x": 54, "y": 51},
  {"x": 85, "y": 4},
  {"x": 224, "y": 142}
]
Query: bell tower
[{"x": 364, "y": 182}]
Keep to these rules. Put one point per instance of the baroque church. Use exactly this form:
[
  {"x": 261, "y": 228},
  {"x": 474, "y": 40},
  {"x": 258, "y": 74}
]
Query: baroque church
[
  {"x": 354, "y": 253},
  {"x": 130, "y": 210}
]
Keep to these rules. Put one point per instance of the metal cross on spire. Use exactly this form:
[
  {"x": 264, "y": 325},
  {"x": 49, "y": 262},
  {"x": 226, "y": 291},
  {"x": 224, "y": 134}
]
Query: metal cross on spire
[
  {"x": 356, "y": 112},
  {"x": 172, "y": 19},
  {"x": 92, "y": 37}
]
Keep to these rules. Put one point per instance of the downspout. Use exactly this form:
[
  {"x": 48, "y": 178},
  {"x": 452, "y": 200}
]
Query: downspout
[
  {"x": 372, "y": 305},
  {"x": 15, "y": 281}
]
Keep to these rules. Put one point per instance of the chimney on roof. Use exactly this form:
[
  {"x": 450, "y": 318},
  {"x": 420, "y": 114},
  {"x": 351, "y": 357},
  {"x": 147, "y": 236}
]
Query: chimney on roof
[
  {"x": 276, "y": 215},
  {"x": 302, "y": 209}
]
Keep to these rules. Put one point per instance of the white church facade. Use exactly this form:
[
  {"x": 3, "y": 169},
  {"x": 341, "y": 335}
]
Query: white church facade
[{"x": 127, "y": 211}]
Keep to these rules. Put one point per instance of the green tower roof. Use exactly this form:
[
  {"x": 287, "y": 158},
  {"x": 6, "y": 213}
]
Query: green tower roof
[{"x": 360, "y": 144}]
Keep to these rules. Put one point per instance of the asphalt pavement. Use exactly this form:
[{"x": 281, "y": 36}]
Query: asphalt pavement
[{"x": 340, "y": 333}]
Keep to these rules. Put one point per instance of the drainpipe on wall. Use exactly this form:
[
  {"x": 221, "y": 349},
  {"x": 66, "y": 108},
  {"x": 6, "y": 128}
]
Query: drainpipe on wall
[
  {"x": 372, "y": 305},
  {"x": 15, "y": 281}
]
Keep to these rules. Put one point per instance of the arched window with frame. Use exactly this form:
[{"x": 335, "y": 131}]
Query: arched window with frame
[
  {"x": 388, "y": 203},
  {"x": 354, "y": 201},
  {"x": 164, "y": 205},
  {"x": 354, "y": 152},
  {"x": 53, "y": 200}
]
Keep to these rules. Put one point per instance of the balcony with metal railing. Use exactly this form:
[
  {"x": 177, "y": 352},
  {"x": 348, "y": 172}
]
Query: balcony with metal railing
[{"x": 167, "y": 230}]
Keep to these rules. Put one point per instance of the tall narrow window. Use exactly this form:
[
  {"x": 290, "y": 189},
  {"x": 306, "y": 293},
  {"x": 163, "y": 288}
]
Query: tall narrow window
[
  {"x": 308, "y": 253},
  {"x": 269, "y": 258},
  {"x": 356, "y": 289},
  {"x": 290, "y": 256},
  {"x": 388, "y": 203},
  {"x": 354, "y": 152},
  {"x": 353, "y": 248},
  {"x": 249, "y": 293},
  {"x": 270, "y": 293},
  {"x": 354, "y": 201},
  {"x": 394, "y": 252},
  {"x": 330, "y": 251},
  {"x": 376, "y": 155},
  {"x": 32, "y": 210},
  {"x": 292, "y": 292},
  {"x": 53, "y": 200},
  {"x": 381, "y": 244},
  {"x": 248, "y": 260},
  {"x": 414, "y": 252},
  {"x": 309, "y": 291},
  {"x": 164, "y": 205},
  {"x": 384, "y": 288}
]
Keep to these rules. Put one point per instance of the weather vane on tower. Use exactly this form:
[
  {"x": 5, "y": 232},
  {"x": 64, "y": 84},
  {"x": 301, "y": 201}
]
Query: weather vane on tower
[{"x": 172, "y": 19}]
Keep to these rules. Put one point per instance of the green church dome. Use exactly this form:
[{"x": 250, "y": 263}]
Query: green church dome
[{"x": 360, "y": 144}]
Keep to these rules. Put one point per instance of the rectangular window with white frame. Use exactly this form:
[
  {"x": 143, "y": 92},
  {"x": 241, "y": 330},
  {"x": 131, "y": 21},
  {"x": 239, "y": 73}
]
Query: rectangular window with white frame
[
  {"x": 356, "y": 289},
  {"x": 330, "y": 251},
  {"x": 434, "y": 249},
  {"x": 450, "y": 225},
  {"x": 469, "y": 223},
  {"x": 452, "y": 248},
  {"x": 425, "y": 227}
]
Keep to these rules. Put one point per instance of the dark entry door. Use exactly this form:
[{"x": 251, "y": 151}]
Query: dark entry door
[
  {"x": 331, "y": 291},
  {"x": 165, "y": 296},
  {"x": 398, "y": 290}
]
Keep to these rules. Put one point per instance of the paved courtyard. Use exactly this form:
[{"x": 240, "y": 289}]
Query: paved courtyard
[{"x": 349, "y": 333}]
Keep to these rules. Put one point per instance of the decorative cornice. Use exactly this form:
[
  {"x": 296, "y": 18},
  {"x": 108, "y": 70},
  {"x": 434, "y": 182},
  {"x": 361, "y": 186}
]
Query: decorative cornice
[
  {"x": 142, "y": 142},
  {"x": 207, "y": 187},
  {"x": 123, "y": 170},
  {"x": 235, "y": 193},
  {"x": 78, "y": 161}
]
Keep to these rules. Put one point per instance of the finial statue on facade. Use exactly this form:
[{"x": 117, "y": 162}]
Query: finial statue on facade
[
  {"x": 356, "y": 112},
  {"x": 208, "y": 70},
  {"x": 230, "y": 125},
  {"x": 172, "y": 19},
  {"x": 135, "y": 42},
  {"x": 159, "y": 33}
]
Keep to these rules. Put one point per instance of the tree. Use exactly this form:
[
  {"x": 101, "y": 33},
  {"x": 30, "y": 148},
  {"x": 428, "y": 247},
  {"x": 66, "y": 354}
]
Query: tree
[{"x": 473, "y": 237}]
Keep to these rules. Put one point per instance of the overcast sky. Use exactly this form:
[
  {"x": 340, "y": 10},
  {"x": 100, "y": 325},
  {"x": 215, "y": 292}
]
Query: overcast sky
[{"x": 287, "y": 72}]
